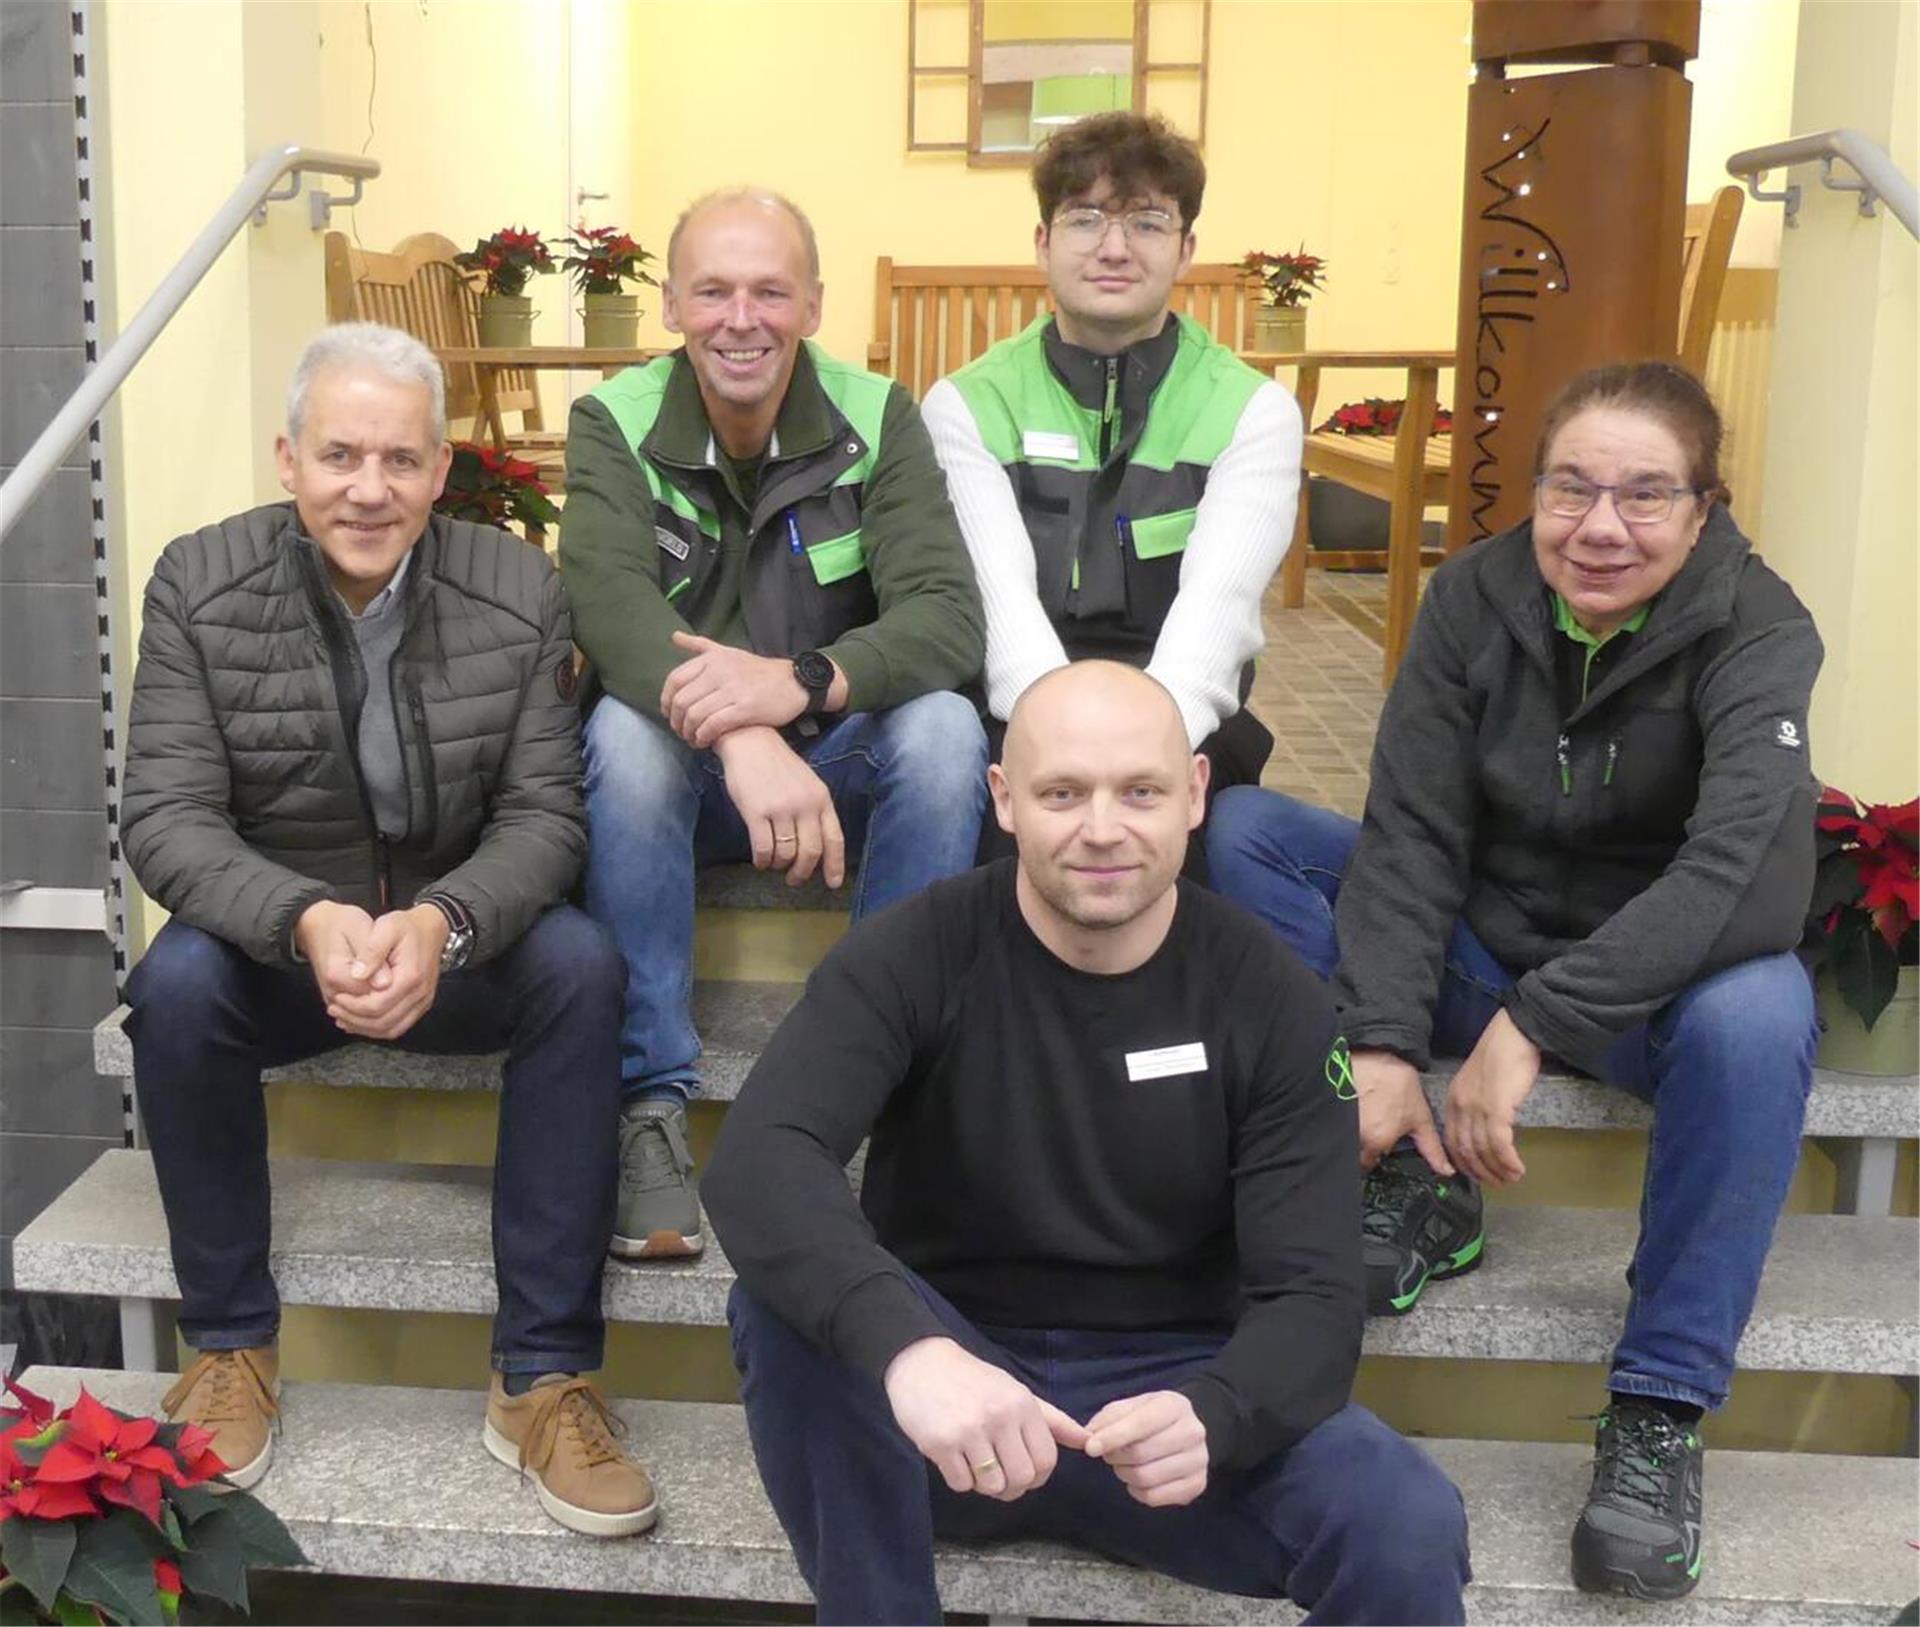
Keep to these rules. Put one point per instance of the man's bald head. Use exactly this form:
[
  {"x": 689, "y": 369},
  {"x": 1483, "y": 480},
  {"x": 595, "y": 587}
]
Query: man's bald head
[
  {"x": 1084, "y": 694},
  {"x": 747, "y": 197},
  {"x": 1099, "y": 791}
]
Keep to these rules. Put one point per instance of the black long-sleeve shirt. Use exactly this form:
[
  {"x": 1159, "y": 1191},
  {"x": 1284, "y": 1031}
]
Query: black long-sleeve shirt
[{"x": 1054, "y": 1148}]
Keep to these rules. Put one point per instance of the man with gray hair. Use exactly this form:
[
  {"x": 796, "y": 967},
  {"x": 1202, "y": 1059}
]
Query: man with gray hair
[
  {"x": 353, "y": 780},
  {"x": 776, "y": 603}
]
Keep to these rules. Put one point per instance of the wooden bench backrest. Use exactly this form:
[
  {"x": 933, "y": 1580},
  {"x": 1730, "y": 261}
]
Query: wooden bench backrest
[
  {"x": 418, "y": 289},
  {"x": 929, "y": 321},
  {"x": 1706, "y": 246}
]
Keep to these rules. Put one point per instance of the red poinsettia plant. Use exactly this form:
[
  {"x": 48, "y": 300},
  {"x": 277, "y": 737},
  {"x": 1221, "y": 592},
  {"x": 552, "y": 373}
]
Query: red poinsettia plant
[
  {"x": 106, "y": 1516},
  {"x": 1378, "y": 416},
  {"x": 1866, "y": 897},
  {"x": 604, "y": 260},
  {"x": 507, "y": 259},
  {"x": 491, "y": 487},
  {"x": 1286, "y": 280}
]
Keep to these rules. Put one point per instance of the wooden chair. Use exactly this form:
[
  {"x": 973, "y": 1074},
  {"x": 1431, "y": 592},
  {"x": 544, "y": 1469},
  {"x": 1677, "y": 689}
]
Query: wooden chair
[
  {"x": 1412, "y": 471},
  {"x": 929, "y": 321},
  {"x": 418, "y": 289}
]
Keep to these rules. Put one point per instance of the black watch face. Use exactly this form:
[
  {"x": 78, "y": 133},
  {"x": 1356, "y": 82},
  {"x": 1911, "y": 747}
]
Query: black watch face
[{"x": 814, "y": 671}]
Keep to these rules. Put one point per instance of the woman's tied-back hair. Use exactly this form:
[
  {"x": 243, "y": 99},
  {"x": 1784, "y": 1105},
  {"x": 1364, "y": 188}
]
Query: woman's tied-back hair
[
  {"x": 1664, "y": 391},
  {"x": 387, "y": 351},
  {"x": 1138, "y": 154}
]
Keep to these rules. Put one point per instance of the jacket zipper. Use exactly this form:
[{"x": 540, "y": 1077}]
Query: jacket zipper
[
  {"x": 341, "y": 657},
  {"x": 417, "y": 704},
  {"x": 1613, "y": 756},
  {"x": 1106, "y": 412},
  {"x": 1563, "y": 755}
]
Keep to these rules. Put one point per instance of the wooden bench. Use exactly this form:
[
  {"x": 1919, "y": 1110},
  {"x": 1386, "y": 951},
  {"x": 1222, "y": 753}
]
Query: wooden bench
[{"x": 929, "y": 321}]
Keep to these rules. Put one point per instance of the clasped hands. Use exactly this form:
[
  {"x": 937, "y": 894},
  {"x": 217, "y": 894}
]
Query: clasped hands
[
  {"x": 986, "y": 1432},
  {"x": 735, "y": 703},
  {"x": 378, "y": 977},
  {"x": 1482, "y": 1102}
]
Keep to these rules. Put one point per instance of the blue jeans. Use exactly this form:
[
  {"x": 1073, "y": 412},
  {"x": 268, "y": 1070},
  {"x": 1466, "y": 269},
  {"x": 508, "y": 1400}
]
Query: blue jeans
[
  {"x": 909, "y": 786},
  {"x": 1352, "y": 1522},
  {"x": 1726, "y": 1064},
  {"x": 206, "y": 1019}
]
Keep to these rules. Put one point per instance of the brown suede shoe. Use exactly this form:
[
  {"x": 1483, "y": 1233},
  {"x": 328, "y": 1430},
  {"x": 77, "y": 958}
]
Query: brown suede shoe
[
  {"x": 562, "y": 1436},
  {"x": 236, "y": 1395}
]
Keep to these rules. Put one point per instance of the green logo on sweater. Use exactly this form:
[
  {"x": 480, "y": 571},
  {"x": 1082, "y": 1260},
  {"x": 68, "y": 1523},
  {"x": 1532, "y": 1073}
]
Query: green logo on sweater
[{"x": 1340, "y": 1070}]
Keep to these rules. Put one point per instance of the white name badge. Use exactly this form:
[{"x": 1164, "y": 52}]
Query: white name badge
[
  {"x": 1046, "y": 443},
  {"x": 1166, "y": 1062}
]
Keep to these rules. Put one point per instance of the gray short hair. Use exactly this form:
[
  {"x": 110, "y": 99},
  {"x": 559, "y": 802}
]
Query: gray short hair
[
  {"x": 748, "y": 194},
  {"x": 380, "y": 349}
]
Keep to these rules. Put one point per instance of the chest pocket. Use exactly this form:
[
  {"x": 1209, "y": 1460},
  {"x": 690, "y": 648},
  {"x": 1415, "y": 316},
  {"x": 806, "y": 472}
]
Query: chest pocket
[
  {"x": 1656, "y": 754},
  {"x": 831, "y": 590},
  {"x": 680, "y": 550}
]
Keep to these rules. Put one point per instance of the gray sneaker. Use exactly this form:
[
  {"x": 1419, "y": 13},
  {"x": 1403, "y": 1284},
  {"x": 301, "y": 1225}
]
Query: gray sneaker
[{"x": 658, "y": 1212}]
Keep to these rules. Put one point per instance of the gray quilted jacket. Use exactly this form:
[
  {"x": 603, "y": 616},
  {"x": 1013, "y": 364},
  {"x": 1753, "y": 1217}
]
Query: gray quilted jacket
[{"x": 243, "y": 800}]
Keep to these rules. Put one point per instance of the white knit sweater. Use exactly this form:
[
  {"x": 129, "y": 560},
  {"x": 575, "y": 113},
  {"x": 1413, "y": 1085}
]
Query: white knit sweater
[{"x": 1240, "y": 533}]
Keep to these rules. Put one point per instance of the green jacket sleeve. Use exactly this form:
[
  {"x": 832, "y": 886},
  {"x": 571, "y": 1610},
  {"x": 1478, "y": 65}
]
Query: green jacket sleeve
[
  {"x": 931, "y": 632},
  {"x": 176, "y": 817},
  {"x": 535, "y": 838},
  {"x": 622, "y": 621}
]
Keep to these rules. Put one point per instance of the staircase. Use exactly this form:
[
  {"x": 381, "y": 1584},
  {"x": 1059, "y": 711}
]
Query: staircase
[{"x": 378, "y": 1480}]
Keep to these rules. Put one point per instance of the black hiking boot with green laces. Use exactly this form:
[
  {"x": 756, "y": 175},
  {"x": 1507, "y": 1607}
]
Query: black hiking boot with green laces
[
  {"x": 1640, "y": 1531},
  {"x": 1417, "y": 1226}
]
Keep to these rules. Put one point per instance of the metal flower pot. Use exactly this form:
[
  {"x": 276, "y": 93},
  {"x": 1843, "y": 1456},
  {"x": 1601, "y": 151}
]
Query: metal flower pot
[
  {"x": 506, "y": 319},
  {"x": 610, "y": 321}
]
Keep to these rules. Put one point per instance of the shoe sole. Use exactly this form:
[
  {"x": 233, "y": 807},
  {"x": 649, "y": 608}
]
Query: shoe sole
[
  {"x": 658, "y": 1246},
  {"x": 247, "y": 1475},
  {"x": 1469, "y": 1258},
  {"x": 1591, "y": 1578},
  {"x": 588, "y": 1522}
]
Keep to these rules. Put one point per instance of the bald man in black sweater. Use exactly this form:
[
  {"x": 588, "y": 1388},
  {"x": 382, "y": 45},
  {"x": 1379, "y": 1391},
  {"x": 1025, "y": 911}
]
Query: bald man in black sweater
[{"x": 1102, "y": 1282}]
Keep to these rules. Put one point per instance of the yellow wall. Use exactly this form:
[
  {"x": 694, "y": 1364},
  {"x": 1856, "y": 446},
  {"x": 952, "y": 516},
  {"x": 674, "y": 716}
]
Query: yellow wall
[
  {"x": 1326, "y": 163},
  {"x": 1840, "y": 472},
  {"x": 1742, "y": 97}
]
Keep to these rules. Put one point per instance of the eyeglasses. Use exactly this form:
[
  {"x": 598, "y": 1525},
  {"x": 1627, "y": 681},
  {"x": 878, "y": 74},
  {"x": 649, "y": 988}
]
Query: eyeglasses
[
  {"x": 1639, "y": 502},
  {"x": 1087, "y": 228}
]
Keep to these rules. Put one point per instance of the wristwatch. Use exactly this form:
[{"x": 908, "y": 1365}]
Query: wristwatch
[
  {"x": 458, "y": 948},
  {"x": 814, "y": 673}
]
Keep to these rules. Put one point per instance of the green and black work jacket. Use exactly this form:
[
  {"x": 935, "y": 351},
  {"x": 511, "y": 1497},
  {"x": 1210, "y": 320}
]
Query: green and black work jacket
[
  {"x": 847, "y": 545},
  {"x": 1108, "y": 456}
]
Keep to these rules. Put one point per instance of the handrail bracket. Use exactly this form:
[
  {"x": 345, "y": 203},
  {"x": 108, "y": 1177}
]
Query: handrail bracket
[
  {"x": 1788, "y": 195},
  {"x": 1840, "y": 184}
]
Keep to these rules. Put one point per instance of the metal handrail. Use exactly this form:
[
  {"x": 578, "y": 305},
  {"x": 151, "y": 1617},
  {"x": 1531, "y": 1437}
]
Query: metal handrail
[
  {"x": 1879, "y": 176},
  {"x": 110, "y": 372}
]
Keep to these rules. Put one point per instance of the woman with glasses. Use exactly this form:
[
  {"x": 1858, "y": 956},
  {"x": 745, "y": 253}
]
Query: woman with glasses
[{"x": 1588, "y": 836}]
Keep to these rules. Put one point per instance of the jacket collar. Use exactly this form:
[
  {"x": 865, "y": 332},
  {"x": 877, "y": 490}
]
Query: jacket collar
[
  {"x": 1698, "y": 599},
  {"x": 1084, "y": 372},
  {"x": 682, "y": 434}
]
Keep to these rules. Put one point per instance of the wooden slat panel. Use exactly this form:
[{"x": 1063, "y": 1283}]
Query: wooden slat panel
[{"x": 958, "y": 355}]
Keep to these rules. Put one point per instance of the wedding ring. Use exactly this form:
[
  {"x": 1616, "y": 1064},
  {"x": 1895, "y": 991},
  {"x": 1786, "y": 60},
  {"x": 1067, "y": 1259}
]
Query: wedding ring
[{"x": 986, "y": 1467}]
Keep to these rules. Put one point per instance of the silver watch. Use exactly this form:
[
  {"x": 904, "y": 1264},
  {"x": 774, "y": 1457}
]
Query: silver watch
[{"x": 459, "y": 945}]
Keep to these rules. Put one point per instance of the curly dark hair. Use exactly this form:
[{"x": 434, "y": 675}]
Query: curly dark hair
[{"x": 1137, "y": 154}]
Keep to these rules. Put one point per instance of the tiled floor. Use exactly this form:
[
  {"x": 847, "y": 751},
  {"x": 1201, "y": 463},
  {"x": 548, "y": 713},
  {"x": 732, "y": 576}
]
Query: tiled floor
[{"x": 1318, "y": 688}]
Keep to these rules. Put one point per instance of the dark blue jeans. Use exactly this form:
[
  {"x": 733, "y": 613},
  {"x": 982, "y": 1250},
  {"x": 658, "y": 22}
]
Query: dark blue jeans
[
  {"x": 1353, "y": 1522},
  {"x": 1726, "y": 1065},
  {"x": 909, "y": 785},
  {"x": 206, "y": 1019}
]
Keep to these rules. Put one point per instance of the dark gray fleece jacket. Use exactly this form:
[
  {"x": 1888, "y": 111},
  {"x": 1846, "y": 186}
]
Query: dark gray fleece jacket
[{"x": 1611, "y": 849}]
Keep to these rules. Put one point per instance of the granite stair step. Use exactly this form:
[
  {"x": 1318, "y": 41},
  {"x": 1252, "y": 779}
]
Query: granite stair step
[
  {"x": 736, "y": 1019},
  {"x": 394, "y": 1483},
  {"x": 1837, "y": 1296}
]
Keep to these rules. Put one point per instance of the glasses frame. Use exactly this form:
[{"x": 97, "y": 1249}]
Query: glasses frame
[
  {"x": 1600, "y": 488},
  {"x": 1063, "y": 222}
]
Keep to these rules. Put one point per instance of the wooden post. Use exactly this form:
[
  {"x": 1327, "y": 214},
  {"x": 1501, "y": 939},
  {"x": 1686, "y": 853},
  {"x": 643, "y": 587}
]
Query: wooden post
[{"x": 1570, "y": 252}]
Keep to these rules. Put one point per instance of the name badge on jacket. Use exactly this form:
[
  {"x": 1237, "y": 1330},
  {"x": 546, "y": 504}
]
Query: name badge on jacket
[
  {"x": 1046, "y": 443},
  {"x": 1167, "y": 1061}
]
